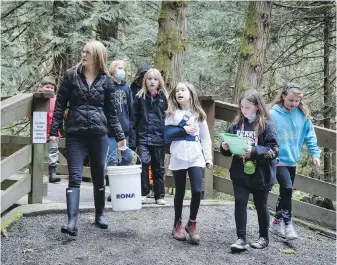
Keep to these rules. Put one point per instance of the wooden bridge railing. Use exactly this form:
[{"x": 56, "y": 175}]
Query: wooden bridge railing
[
  {"x": 13, "y": 109},
  {"x": 215, "y": 110}
]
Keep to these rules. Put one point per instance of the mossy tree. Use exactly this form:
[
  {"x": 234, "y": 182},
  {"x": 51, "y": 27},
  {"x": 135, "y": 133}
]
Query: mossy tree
[
  {"x": 253, "y": 47},
  {"x": 172, "y": 41}
]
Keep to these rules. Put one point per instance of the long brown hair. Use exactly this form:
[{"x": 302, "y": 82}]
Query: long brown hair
[
  {"x": 254, "y": 97},
  {"x": 296, "y": 90},
  {"x": 144, "y": 89},
  {"x": 195, "y": 106}
]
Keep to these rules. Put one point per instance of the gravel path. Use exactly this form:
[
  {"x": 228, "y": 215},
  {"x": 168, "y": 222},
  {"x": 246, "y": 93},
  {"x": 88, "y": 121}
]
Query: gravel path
[{"x": 144, "y": 237}]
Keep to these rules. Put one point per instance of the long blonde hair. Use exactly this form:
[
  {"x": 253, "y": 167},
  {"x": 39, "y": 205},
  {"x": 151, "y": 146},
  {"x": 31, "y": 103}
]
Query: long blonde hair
[
  {"x": 195, "y": 105},
  {"x": 156, "y": 74},
  {"x": 262, "y": 114},
  {"x": 296, "y": 90},
  {"x": 98, "y": 50}
]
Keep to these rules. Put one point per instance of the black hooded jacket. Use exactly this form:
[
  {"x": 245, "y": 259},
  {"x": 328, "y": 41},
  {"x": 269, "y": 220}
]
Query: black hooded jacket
[
  {"x": 136, "y": 84},
  {"x": 264, "y": 154}
]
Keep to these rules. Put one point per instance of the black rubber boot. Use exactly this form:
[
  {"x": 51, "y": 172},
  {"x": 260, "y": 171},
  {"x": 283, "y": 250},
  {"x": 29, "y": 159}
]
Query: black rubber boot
[
  {"x": 99, "y": 196},
  {"x": 52, "y": 175},
  {"x": 73, "y": 202}
]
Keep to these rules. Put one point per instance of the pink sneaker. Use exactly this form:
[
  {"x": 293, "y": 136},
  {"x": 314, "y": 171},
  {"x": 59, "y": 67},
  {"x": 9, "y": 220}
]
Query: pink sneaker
[
  {"x": 178, "y": 232},
  {"x": 191, "y": 229}
]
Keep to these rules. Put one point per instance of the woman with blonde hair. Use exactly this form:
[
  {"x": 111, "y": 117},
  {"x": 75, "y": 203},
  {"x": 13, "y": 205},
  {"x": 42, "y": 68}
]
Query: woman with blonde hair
[
  {"x": 89, "y": 91},
  {"x": 148, "y": 133}
]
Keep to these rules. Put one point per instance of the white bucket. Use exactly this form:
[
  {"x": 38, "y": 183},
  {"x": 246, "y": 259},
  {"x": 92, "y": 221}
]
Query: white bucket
[{"x": 125, "y": 187}]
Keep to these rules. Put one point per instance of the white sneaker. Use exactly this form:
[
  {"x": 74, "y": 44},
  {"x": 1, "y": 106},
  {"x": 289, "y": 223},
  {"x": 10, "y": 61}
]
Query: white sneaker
[
  {"x": 160, "y": 202},
  {"x": 290, "y": 233},
  {"x": 143, "y": 199},
  {"x": 277, "y": 227}
]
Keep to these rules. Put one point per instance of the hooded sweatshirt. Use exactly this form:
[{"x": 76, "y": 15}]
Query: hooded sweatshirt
[
  {"x": 136, "y": 86},
  {"x": 124, "y": 108},
  {"x": 264, "y": 153},
  {"x": 293, "y": 129}
]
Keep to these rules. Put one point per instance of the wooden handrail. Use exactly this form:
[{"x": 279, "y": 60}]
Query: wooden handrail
[
  {"x": 16, "y": 108},
  {"x": 16, "y": 161},
  {"x": 325, "y": 137}
]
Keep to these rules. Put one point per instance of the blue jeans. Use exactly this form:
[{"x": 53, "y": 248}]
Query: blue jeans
[
  {"x": 285, "y": 177},
  {"x": 97, "y": 146},
  {"x": 112, "y": 158}
]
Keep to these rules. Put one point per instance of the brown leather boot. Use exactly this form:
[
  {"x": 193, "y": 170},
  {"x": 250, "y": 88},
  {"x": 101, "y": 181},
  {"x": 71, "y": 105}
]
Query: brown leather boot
[
  {"x": 178, "y": 232},
  {"x": 191, "y": 229}
]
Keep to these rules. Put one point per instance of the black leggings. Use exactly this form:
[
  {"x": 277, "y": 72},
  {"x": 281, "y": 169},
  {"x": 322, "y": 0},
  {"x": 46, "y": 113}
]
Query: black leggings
[
  {"x": 241, "y": 195},
  {"x": 195, "y": 175}
]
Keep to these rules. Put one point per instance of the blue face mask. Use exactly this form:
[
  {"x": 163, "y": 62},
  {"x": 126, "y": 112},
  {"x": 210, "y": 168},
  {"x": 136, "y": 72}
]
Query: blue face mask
[
  {"x": 120, "y": 75},
  {"x": 252, "y": 117}
]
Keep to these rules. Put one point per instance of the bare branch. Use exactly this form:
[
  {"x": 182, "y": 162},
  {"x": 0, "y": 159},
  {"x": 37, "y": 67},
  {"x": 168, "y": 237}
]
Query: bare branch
[{"x": 13, "y": 9}]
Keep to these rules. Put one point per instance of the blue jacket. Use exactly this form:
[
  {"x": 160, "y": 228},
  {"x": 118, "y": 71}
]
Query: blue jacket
[
  {"x": 263, "y": 154},
  {"x": 293, "y": 129},
  {"x": 149, "y": 120},
  {"x": 124, "y": 108}
]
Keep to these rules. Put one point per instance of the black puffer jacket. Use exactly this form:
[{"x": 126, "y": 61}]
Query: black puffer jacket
[
  {"x": 92, "y": 109},
  {"x": 149, "y": 120}
]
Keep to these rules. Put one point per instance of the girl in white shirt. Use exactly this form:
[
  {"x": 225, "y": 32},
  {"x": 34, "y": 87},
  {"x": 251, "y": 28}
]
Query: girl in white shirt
[{"x": 191, "y": 150}]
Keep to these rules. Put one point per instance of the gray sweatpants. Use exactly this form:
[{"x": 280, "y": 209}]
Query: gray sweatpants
[{"x": 52, "y": 153}]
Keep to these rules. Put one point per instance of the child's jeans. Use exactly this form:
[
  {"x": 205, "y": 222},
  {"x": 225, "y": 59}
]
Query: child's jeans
[
  {"x": 241, "y": 195},
  {"x": 154, "y": 156},
  {"x": 112, "y": 158},
  {"x": 285, "y": 177},
  {"x": 53, "y": 153}
]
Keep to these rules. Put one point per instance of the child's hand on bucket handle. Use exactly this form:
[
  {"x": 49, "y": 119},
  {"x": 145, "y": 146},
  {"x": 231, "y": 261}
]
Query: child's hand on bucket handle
[{"x": 122, "y": 145}]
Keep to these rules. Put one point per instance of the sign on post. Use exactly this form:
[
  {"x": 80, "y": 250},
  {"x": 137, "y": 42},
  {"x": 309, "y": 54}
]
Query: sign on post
[{"x": 39, "y": 127}]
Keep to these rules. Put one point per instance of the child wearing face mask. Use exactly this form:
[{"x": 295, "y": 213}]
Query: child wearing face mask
[
  {"x": 148, "y": 133},
  {"x": 124, "y": 107},
  {"x": 291, "y": 117},
  {"x": 191, "y": 150},
  {"x": 255, "y": 171}
]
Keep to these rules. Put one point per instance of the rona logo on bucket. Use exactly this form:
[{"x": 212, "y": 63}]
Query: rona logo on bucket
[{"x": 125, "y": 196}]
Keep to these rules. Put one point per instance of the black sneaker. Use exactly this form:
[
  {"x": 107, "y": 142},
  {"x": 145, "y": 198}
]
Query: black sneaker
[
  {"x": 239, "y": 245},
  {"x": 260, "y": 243},
  {"x": 109, "y": 198}
]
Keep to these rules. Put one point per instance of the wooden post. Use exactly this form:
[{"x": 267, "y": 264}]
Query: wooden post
[
  {"x": 208, "y": 104},
  {"x": 40, "y": 104}
]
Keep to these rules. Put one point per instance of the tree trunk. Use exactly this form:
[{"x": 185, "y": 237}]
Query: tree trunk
[
  {"x": 328, "y": 95},
  {"x": 253, "y": 47},
  {"x": 172, "y": 41}
]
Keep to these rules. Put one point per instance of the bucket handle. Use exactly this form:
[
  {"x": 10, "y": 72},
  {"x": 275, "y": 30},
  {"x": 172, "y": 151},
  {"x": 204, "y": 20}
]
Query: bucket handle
[{"x": 127, "y": 148}]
